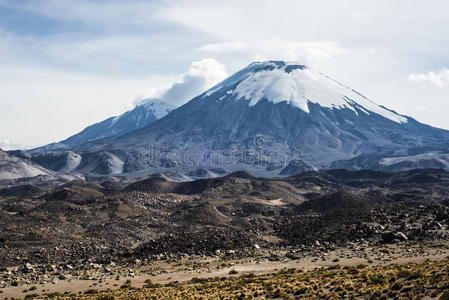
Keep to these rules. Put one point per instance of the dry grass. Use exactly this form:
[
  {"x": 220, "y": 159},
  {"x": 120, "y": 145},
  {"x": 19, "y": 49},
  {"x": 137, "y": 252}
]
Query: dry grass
[{"x": 409, "y": 281}]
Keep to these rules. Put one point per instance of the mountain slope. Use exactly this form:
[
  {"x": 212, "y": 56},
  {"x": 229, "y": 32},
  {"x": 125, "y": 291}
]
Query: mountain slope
[
  {"x": 385, "y": 162},
  {"x": 143, "y": 114},
  {"x": 261, "y": 119},
  {"x": 12, "y": 167},
  {"x": 296, "y": 166},
  {"x": 281, "y": 108}
]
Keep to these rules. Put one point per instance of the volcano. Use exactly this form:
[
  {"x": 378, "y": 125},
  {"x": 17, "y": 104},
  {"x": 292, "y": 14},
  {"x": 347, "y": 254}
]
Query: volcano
[{"x": 261, "y": 119}]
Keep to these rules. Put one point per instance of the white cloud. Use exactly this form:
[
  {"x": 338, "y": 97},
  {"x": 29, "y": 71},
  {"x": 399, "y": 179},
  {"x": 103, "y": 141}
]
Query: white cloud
[
  {"x": 307, "y": 52},
  {"x": 107, "y": 54},
  {"x": 7, "y": 145},
  {"x": 67, "y": 64},
  {"x": 201, "y": 76},
  {"x": 111, "y": 13},
  {"x": 226, "y": 47},
  {"x": 39, "y": 106},
  {"x": 368, "y": 23},
  {"x": 438, "y": 78}
]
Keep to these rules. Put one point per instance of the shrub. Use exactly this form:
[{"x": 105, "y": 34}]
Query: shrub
[
  {"x": 397, "y": 286},
  {"x": 105, "y": 297},
  {"x": 445, "y": 295}
]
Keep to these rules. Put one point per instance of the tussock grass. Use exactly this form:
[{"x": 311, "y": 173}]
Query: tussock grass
[{"x": 406, "y": 281}]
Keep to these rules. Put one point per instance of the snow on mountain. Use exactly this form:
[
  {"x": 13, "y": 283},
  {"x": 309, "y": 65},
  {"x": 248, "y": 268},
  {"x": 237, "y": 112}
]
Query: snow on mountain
[
  {"x": 12, "y": 167},
  {"x": 142, "y": 115},
  {"x": 297, "y": 85},
  {"x": 442, "y": 158},
  {"x": 157, "y": 107},
  {"x": 296, "y": 166},
  {"x": 426, "y": 160},
  {"x": 16, "y": 168},
  {"x": 421, "y": 159},
  {"x": 145, "y": 113},
  {"x": 151, "y": 107},
  {"x": 60, "y": 161},
  {"x": 263, "y": 118}
]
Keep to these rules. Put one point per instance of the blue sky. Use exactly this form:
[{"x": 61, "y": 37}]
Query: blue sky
[{"x": 67, "y": 64}]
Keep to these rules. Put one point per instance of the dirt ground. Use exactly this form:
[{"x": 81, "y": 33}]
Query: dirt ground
[{"x": 180, "y": 270}]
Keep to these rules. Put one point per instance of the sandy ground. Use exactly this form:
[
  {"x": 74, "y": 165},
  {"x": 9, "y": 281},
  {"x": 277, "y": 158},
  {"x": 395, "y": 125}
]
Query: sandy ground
[{"x": 173, "y": 270}]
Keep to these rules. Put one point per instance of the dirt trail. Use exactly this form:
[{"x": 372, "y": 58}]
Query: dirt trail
[{"x": 173, "y": 273}]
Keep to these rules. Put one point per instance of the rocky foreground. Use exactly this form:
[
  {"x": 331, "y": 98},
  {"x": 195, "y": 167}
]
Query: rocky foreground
[
  {"x": 88, "y": 237},
  {"x": 406, "y": 281},
  {"x": 333, "y": 277}
]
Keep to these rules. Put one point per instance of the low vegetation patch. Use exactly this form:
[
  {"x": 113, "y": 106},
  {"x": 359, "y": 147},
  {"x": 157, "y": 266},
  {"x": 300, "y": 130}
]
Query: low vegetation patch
[{"x": 406, "y": 281}]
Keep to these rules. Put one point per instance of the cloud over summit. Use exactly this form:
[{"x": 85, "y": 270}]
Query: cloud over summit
[
  {"x": 308, "y": 52},
  {"x": 202, "y": 75}
]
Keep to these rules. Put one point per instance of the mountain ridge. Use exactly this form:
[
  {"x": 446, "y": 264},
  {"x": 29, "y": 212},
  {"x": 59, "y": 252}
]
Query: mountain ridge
[
  {"x": 216, "y": 113},
  {"x": 268, "y": 108},
  {"x": 144, "y": 113}
]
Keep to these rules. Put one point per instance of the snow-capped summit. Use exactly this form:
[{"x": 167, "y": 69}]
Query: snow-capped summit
[
  {"x": 280, "y": 108},
  {"x": 157, "y": 107},
  {"x": 298, "y": 85},
  {"x": 260, "y": 119},
  {"x": 144, "y": 113}
]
